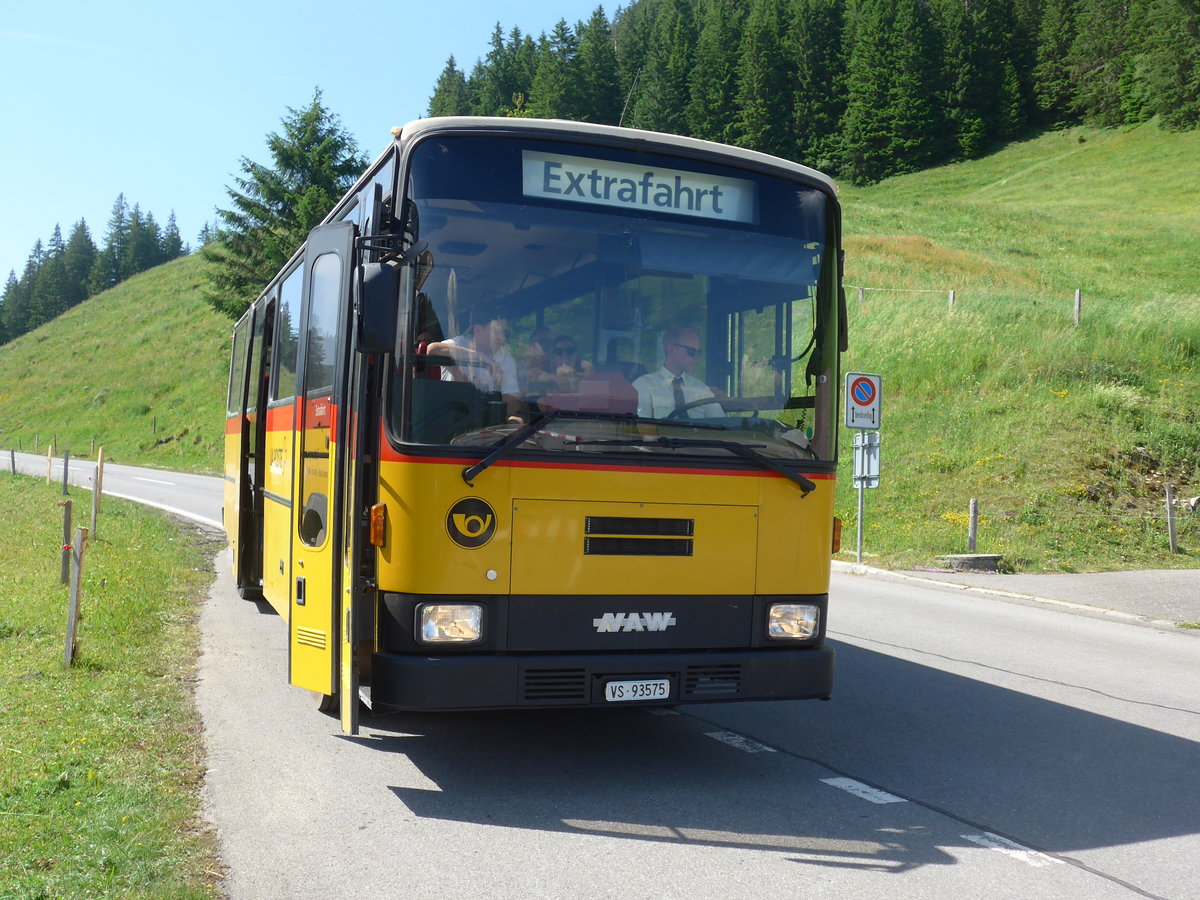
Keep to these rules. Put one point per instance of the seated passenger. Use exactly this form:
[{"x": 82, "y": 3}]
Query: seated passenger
[
  {"x": 538, "y": 365},
  {"x": 673, "y": 386},
  {"x": 568, "y": 367}
]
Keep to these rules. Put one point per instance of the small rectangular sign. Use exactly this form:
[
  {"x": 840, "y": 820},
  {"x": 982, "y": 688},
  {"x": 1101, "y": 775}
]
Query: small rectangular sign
[
  {"x": 604, "y": 182},
  {"x": 863, "y": 409},
  {"x": 866, "y": 459}
]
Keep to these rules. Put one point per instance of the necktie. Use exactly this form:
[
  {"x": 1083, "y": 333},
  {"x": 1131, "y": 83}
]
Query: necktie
[{"x": 677, "y": 386}]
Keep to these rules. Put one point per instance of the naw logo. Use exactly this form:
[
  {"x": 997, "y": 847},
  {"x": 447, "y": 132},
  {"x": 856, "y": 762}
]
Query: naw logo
[{"x": 647, "y": 621}]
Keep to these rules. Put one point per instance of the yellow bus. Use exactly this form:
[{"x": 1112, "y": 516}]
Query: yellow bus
[{"x": 544, "y": 414}]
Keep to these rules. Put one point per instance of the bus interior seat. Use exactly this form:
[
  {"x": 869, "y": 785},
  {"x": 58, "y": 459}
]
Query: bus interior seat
[
  {"x": 442, "y": 410},
  {"x": 600, "y": 390}
]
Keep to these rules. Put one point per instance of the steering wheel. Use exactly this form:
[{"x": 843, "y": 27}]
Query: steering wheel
[{"x": 680, "y": 412}]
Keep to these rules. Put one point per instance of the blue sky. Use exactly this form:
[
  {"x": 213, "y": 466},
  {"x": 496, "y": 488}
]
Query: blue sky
[{"x": 160, "y": 101}]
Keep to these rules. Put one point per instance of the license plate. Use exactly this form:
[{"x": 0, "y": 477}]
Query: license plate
[{"x": 648, "y": 689}]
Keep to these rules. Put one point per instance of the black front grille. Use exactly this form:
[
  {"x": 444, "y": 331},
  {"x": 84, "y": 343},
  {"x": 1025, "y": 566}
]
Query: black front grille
[
  {"x": 723, "y": 680},
  {"x": 639, "y": 525},
  {"x": 633, "y": 546},
  {"x": 554, "y": 686}
]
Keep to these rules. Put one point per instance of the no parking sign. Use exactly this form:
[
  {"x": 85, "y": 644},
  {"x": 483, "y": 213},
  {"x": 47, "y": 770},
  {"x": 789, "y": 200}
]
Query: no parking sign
[{"x": 862, "y": 401}]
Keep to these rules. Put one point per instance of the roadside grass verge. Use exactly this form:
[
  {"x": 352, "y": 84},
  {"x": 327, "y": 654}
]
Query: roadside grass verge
[{"x": 103, "y": 763}]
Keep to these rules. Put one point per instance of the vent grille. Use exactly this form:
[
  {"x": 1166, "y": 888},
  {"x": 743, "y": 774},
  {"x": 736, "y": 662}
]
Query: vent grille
[
  {"x": 724, "y": 680},
  {"x": 311, "y": 637},
  {"x": 639, "y": 525},
  {"x": 554, "y": 686},
  {"x": 632, "y": 546}
]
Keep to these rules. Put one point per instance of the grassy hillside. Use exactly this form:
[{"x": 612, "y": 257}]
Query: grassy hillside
[
  {"x": 1065, "y": 434},
  {"x": 141, "y": 369}
]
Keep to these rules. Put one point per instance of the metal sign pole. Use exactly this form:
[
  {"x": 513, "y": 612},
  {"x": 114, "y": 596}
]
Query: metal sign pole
[{"x": 858, "y": 558}]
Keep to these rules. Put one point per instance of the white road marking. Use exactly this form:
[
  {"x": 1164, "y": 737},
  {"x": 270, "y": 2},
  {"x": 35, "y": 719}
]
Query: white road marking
[
  {"x": 153, "y": 480},
  {"x": 1011, "y": 848},
  {"x": 864, "y": 791},
  {"x": 739, "y": 741}
]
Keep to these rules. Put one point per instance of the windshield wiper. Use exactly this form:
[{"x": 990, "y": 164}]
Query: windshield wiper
[
  {"x": 746, "y": 451},
  {"x": 517, "y": 438}
]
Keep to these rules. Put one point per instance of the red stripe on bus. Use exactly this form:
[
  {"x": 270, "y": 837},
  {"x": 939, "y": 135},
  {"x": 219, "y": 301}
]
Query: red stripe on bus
[{"x": 389, "y": 455}]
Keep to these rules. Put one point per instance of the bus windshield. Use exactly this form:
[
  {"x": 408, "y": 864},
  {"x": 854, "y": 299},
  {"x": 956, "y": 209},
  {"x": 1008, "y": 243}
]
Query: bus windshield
[{"x": 653, "y": 303}]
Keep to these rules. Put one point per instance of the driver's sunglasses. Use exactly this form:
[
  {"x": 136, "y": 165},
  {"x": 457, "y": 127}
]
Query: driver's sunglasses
[
  {"x": 564, "y": 351},
  {"x": 691, "y": 351}
]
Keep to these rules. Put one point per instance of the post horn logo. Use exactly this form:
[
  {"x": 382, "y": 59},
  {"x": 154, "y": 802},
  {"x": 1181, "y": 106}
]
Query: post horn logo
[{"x": 471, "y": 523}]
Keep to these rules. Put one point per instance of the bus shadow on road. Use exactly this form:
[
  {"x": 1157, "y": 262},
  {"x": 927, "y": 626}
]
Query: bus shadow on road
[
  {"x": 967, "y": 757},
  {"x": 636, "y": 775}
]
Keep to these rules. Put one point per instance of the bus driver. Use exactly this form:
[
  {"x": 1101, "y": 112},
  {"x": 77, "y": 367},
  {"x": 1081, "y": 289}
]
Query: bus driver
[{"x": 661, "y": 393}]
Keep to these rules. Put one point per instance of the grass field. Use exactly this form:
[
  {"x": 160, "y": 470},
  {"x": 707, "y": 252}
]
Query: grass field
[
  {"x": 102, "y": 764},
  {"x": 140, "y": 370},
  {"x": 1066, "y": 435}
]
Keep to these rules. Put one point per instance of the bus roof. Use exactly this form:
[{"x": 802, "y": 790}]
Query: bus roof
[{"x": 421, "y": 127}]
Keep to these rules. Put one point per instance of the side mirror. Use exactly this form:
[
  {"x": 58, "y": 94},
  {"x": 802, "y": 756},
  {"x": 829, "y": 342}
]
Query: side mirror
[{"x": 378, "y": 307}]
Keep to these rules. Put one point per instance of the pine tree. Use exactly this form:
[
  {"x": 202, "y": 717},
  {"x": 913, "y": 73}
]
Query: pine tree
[
  {"x": 106, "y": 272},
  {"x": 313, "y": 162},
  {"x": 763, "y": 84},
  {"x": 814, "y": 44},
  {"x": 597, "y": 74},
  {"x": 10, "y": 290},
  {"x": 18, "y": 303},
  {"x": 172, "y": 241},
  {"x": 554, "y": 94},
  {"x": 892, "y": 124},
  {"x": 660, "y": 97},
  {"x": 711, "y": 111},
  {"x": 976, "y": 62},
  {"x": 450, "y": 94},
  {"x": 486, "y": 88},
  {"x": 143, "y": 250},
  {"x": 1097, "y": 59},
  {"x": 78, "y": 260},
  {"x": 49, "y": 297},
  {"x": 632, "y": 28},
  {"x": 1163, "y": 72},
  {"x": 1053, "y": 84}
]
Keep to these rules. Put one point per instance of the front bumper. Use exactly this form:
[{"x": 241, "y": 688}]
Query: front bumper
[{"x": 515, "y": 681}]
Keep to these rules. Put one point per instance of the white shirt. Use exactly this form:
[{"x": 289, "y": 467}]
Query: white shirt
[
  {"x": 656, "y": 395},
  {"x": 479, "y": 373}
]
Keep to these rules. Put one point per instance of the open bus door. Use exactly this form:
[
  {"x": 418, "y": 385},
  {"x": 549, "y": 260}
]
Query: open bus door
[{"x": 322, "y": 419}]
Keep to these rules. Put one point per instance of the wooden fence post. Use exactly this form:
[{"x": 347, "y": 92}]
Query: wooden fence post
[
  {"x": 66, "y": 465},
  {"x": 73, "y": 617},
  {"x": 1078, "y": 306},
  {"x": 66, "y": 544},
  {"x": 97, "y": 490},
  {"x": 1171, "y": 518},
  {"x": 952, "y": 299}
]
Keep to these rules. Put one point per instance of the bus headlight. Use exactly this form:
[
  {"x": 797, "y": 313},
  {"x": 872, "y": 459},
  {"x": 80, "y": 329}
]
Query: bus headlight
[
  {"x": 449, "y": 623},
  {"x": 793, "y": 621}
]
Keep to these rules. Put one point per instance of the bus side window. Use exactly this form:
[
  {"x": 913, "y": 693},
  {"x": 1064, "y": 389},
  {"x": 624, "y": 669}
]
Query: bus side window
[{"x": 287, "y": 327}]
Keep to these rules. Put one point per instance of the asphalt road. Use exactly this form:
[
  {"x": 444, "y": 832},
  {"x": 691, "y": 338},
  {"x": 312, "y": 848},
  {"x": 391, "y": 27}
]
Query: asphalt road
[
  {"x": 974, "y": 747},
  {"x": 979, "y": 743}
]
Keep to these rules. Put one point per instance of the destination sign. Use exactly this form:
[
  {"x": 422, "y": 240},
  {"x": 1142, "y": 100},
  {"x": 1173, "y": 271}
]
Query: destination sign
[{"x": 553, "y": 176}]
